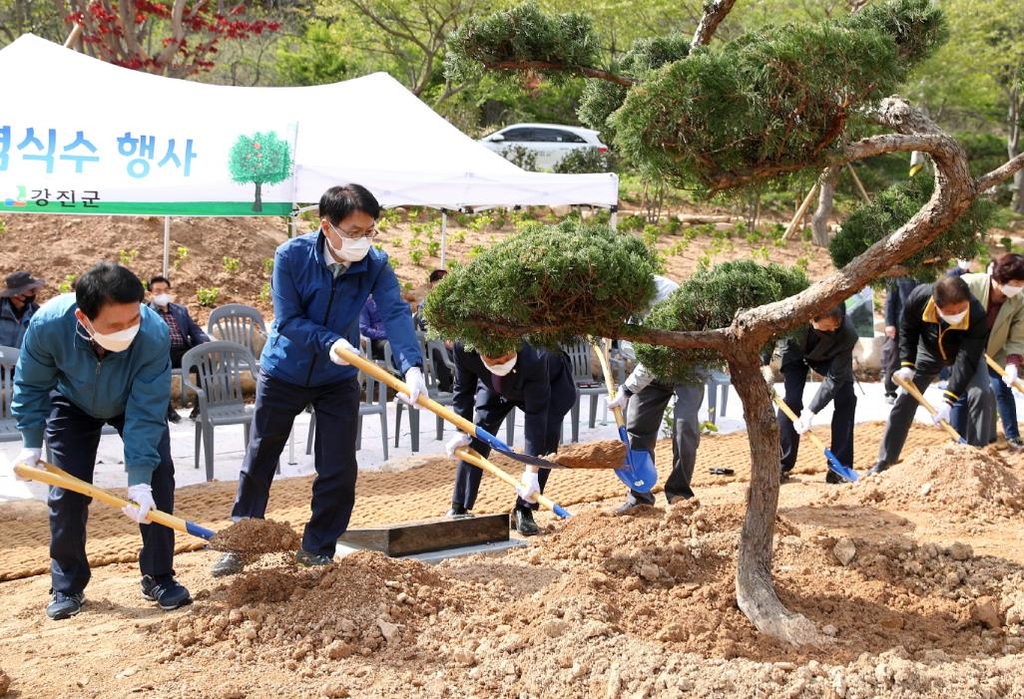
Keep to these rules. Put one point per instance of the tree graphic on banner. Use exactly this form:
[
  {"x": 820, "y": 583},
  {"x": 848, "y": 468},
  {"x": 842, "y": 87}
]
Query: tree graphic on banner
[{"x": 262, "y": 158}]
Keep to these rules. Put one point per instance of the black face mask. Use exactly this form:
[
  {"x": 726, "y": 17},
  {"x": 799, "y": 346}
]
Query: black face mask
[{"x": 30, "y": 299}]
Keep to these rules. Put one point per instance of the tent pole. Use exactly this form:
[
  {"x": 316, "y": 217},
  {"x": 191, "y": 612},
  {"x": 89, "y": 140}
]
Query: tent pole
[
  {"x": 167, "y": 244},
  {"x": 444, "y": 237}
]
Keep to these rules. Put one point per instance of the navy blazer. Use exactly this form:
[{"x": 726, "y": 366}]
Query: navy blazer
[
  {"x": 540, "y": 385},
  {"x": 190, "y": 330}
]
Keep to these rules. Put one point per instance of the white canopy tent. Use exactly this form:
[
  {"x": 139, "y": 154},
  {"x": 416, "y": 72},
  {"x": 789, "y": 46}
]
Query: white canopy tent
[{"x": 97, "y": 138}]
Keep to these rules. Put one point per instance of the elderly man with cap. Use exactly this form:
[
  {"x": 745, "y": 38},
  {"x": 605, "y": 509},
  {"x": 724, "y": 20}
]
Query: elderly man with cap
[{"x": 17, "y": 306}]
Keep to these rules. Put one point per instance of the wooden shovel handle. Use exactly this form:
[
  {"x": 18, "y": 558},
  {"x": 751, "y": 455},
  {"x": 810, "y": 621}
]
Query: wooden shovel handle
[
  {"x": 608, "y": 379},
  {"x": 1018, "y": 384},
  {"x": 793, "y": 416},
  {"x": 910, "y": 388},
  {"x": 470, "y": 456},
  {"x": 58, "y": 477}
]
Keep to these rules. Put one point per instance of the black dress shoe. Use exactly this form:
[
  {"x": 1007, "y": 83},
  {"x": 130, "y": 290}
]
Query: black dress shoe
[
  {"x": 878, "y": 468},
  {"x": 522, "y": 522},
  {"x": 833, "y": 477},
  {"x": 457, "y": 512}
]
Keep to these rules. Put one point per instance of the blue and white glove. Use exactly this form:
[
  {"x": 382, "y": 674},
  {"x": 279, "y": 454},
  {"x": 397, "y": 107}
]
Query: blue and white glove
[
  {"x": 142, "y": 497},
  {"x": 417, "y": 387},
  {"x": 460, "y": 440},
  {"x": 341, "y": 343},
  {"x": 530, "y": 488},
  {"x": 1010, "y": 375},
  {"x": 942, "y": 414},
  {"x": 804, "y": 423}
]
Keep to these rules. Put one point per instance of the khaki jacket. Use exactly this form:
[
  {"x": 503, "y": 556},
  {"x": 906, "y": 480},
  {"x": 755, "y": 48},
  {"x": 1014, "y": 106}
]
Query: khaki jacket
[{"x": 1007, "y": 333}]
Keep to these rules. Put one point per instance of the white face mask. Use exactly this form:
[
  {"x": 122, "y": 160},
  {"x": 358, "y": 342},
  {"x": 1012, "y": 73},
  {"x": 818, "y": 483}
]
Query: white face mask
[
  {"x": 953, "y": 319},
  {"x": 504, "y": 368},
  {"x": 1010, "y": 291},
  {"x": 114, "y": 342},
  {"x": 162, "y": 300},
  {"x": 351, "y": 250}
]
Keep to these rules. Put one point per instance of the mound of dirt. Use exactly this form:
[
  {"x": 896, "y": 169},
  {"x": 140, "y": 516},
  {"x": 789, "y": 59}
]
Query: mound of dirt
[{"x": 956, "y": 481}]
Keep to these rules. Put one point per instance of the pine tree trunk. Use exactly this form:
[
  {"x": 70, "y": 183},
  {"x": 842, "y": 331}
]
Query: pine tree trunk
[
  {"x": 819, "y": 221},
  {"x": 755, "y": 592}
]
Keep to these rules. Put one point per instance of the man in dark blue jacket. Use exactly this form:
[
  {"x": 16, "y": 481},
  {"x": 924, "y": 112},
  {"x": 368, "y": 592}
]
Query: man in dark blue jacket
[
  {"x": 896, "y": 293},
  {"x": 185, "y": 332},
  {"x": 92, "y": 358},
  {"x": 827, "y": 348},
  {"x": 538, "y": 382},
  {"x": 321, "y": 282}
]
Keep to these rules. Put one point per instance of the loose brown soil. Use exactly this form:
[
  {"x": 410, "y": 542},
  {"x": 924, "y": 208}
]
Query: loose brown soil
[
  {"x": 604, "y": 453},
  {"x": 254, "y": 537},
  {"x": 914, "y": 578}
]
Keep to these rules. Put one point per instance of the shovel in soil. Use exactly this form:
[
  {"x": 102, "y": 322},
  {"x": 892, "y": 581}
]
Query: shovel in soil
[
  {"x": 471, "y": 457},
  {"x": 637, "y": 471},
  {"x": 911, "y": 388},
  {"x": 59, "y": 478},
  {"x": 834, "y": 464},
  {"x": 382, "y": 375}
]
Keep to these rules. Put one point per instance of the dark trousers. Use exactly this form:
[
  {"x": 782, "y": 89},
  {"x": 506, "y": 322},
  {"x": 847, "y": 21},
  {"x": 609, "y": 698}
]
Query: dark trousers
[
  {"x": 73, "y": 437},
  {"x": 890, "y": 362},
  {"x": 489, "y": 417},
  {"x": 334, "y": 448},
  {"x": 974, "y": 415},
  {"x": 843, "y": 418},
  {"x": 644, "y": 415}
]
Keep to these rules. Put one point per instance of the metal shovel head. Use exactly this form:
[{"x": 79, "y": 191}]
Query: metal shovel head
[{"x": 637, "y": 471}]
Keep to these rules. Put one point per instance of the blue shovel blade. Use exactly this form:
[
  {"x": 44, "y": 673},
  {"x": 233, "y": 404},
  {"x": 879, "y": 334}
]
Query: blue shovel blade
[{"x": 638, "y": 471}]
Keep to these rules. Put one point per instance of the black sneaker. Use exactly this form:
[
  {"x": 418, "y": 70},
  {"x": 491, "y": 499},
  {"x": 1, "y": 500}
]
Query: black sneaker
[
  {"x": 785, "y": 475},
  {"x": 890, "y": 398},
  {"x": 309, "y": 560},
  {"x": 833, "y": 477},
  {"x": 63, "y": 605},
  {"x": 229, "y": 564},
  {"x": 165, "y": 591},
  {"x": 1015, "y": 443},
  {"x": 522, "y": 522}
]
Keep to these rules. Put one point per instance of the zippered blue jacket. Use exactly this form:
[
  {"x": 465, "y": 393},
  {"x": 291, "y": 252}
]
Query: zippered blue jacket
[
  {"x": 313, "y": 309},
  {"x": 135, "y": 383}
]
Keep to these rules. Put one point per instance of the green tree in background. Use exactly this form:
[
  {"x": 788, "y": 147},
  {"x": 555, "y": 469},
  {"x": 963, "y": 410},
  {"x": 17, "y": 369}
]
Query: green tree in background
[
  {"x": 262, "y": 158},
  {"x": 779, "y": 102}
]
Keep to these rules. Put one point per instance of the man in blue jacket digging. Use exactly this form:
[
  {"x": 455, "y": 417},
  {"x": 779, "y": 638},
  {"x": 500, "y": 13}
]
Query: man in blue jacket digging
[
  {"x": 321, "y": 283},
  {"x": 93, "y": 358}
]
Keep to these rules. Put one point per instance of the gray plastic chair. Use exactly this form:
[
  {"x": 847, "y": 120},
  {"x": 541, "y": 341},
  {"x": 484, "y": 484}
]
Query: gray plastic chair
[
  {"x": 8, "y": 423},
  {"x": 236, "y": 322},
  {"x": 586, "y": 385},
  {"x": 375, "y": 402},
  {"x": 219, "y": 367}
]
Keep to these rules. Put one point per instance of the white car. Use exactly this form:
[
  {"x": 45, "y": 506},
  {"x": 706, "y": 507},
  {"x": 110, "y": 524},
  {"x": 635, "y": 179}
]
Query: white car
[{"x": 549, "y": 143}]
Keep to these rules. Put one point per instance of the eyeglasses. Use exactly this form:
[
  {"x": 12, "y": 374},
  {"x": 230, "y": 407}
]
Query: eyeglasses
[{"x": 354, "y": 235}]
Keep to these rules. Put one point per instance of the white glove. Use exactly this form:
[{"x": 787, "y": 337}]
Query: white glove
[
  {"x": 460, "y": 440},
  {"x": 1010, "y": 374},
  {"x": 29, "y": 457},
  {"x": 804, "y": 423},
  {"x": 530, "y": 488},
  {"x": 142, "y": 496},
  {"x": 768, "y": 374},
  {"x": 417, "y": 387},
  {"x": 905, "y": 374},
  {"x": 941, "y": 413},
  {"x": 341, "y": 343},
  {"x": 620, "y": 399}
]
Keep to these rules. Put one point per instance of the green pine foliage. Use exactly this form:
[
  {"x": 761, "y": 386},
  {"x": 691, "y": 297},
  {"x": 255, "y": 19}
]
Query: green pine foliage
[
  {"x": 522, "y": 34},
  {"x": 545, "y": 284},
  {"x": 892, "y": 208},
  {"x": 601, "y": 98},
  {"x": 776, "y": 101},
  {"x": 707, "y": 300}
]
